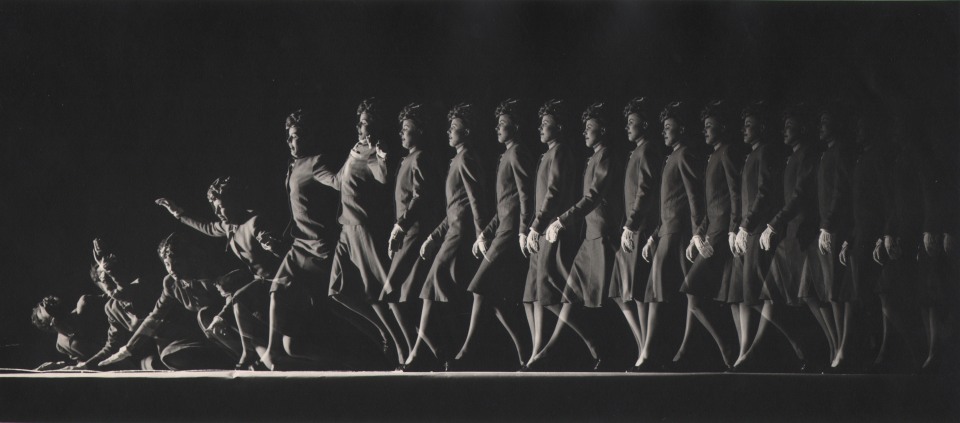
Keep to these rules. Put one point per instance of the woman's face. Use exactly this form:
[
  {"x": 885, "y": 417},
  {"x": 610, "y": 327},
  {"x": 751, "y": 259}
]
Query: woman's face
[
  {"x": 364, "y": 128},
  {"x": 635, "y": 127},
  {"x": 458, "y": 132},
  {"x": 672, "y": 131},
  {"x": 752, "y": 130},
  {"x": 826, "y": 127},
  {"x": 593, "y": 132},
  {"x": 550, "y": 130},
  {"x": 506, "y": 129},
  {"x": 791, "y": 132},
  {"x": 293, "y": 141},
  {"x": 712, "y": 130},
  {"x": 227, "y": 212},
  {"x": 409, "y": 134}
]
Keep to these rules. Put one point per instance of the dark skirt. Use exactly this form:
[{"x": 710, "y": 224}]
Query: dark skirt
[
  {"x": 668, "y": 270},
  {"x": 756, "y": 265},
  {"x": 590, "y": 273},
  {"x": 359, "y": 264},
  {"x": 630, "y": 274},
  {"x": 833, "y": 271},
  {"x": 452, "y": 269},
  {"x": 307, "y": 264},
  {"x": 550, "y": 267},
  {"x": 792, "y": 265},
  {"x": 731, "y": 288},
  {"x": 938, "y": 280},
  {"x": 408, "y": 271},
  {"x": 897, "y": 277},
  {"x": 502, "y": 273},
  {"x": 863, "y": 271},
  {"x": 708, "y": 275},
  {"x": 302, "y": 281}
]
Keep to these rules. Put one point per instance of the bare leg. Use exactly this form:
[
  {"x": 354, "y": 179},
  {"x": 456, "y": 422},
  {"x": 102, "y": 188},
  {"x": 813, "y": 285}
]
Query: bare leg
[
  {"x": 423, "y": 337},
  {"x": 633, "y": 323},
  {"x": 274, "y": 342},
  {"x": 566, "y": 319},
  {"x": 770, "y": 314},
  {"x": 695, "y": 304},
  {"x": 885, "y": 307},
  {"x": 687, "y": 328},
  {"x": 847, "y": 325},
  {"x": 395, "y": 333},
  {"x": 642, "y": 318},
  {"x": 474, "y": 321},
  {"x": 818, "y": 311},
  {"x": 837, "y": 321},
  {"x": 745, "y": 340},
  {"x": 513, "y": 329},
  {"x": 405, "y": 327},
  {"x": 538, "y": 330},
  {"x": 653, "y": 329},
  {"x": 931, "y": 323},
  {"x": 529, "y": 309},
  {"x": 735, "y": 311}
]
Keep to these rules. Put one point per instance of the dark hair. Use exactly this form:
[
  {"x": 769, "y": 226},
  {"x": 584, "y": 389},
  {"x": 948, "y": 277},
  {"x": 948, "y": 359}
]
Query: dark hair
[
  {"x": 757, "y": 109},
  {"x": 370, "y": 106},
  {"x": 55, "y": 309},
  {"x": 595, "y": 111},
  {"x": 841, "y": 118},
  {"x": 414, "y": 112},
  {"x": 464, "y": 112},
  {"x": 677, "y": 111},
  {"x": 717, "y": 109},
  {"x": 639, "y": 106},
  {"x": 509, "y": 107},
  {"x": 225, "y": 189},
  {"x": 802, "y": 113},
  {"x": 178, "y": 245},
  {"x": 556, "y": 108}
]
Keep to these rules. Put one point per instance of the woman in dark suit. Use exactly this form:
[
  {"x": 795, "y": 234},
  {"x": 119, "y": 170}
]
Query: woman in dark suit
[
  {"x": 502, "y": 247},
  {"x": 681, "y": 210},
  {"x": 641, "y": 197},
  {"x": 598, "y": 207},
  {"x": 418, "y": 198},
  {"x": 453, "y": 238},
  {"x": 713, "y": 266}
]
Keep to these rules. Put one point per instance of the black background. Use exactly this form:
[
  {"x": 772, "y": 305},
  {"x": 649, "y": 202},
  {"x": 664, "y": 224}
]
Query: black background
[{"x": 106, "y": 106}]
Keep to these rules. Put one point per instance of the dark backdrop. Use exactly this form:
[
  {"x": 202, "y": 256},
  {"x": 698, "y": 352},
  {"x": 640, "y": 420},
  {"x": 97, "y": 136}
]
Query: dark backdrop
[{"x": 105, "y": 106}]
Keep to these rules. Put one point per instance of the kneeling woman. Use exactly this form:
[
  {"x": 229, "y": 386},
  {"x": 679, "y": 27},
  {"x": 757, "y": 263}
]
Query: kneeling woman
[{"x": 188, "y": 287}]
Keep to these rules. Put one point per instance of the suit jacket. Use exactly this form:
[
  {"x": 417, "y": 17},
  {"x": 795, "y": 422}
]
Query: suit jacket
[
  {"x": 870, "y": 194},
  {"x": 514, "y": 192},
  {"x": 798, "y": 218},
  {"x": 417, "y": 194},
  {"x": 362, "y": 182},
  {"x": 466, "y": 195},
  {"x": 762, "y": 186},
  {"x": 311, "y": 202},
  {"x": 641, "y": 189},
  {"x": 915, "y": 205},
  {"x": 724, "y": 168},
  {"x": 681, "y": 192},
  {"x": 834, "y": 183},
  {"x": 242, "y": 241},
  {"x": 557, "y": 184},
  {"x": 599, "y": 206}
]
